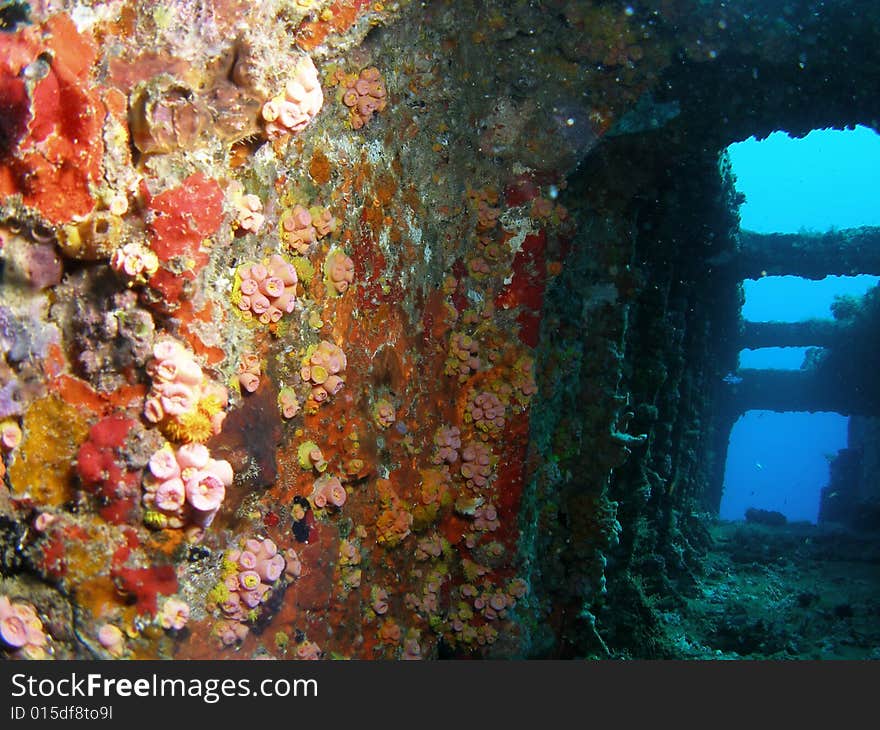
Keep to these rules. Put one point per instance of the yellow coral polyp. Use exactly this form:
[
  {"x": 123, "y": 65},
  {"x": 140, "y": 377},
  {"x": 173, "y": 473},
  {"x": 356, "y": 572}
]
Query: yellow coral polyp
[
  {"x": 218, "y": 595},
  {"x": 319, "y": 374},
  {"x": 307, "y": 358},
  {"x": 195, "y": 426},
  {"x": 235, "y": 295},
  {"x": 304, "y": 456},
  {"x": 210, "y": 406},
  {"x": 228, "y": 567},
  {"x": 187, "y": 428},
  {"x": 155, "y": 520},
  {"x": 305, "y": 271}
]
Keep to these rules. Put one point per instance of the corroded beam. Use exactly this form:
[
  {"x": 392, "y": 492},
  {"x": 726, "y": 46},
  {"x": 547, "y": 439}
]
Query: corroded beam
[
  {"x": 810, "y": 333},
  {"x": 807, "y": 390},
  {"x": 810, "y": 256}
]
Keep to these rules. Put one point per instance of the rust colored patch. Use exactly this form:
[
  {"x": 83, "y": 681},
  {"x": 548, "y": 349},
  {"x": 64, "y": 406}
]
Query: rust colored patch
[
  {"x": 529, "y": 327},
  {"x": 164, "y": 541},
  {"x": 171, "y": 289},
  {"x": 241, "y": 152},
  {"x": 453, "y": 528},
  {"x": 78, "y": 393},
  {"x": 77, "y": 52},
  {"x": 386, "y": 188},
  {"x": 116, "y": 104},
  {"x": 97, "y": 594},
  {"x": 319, "y": 168},
  {"x": 58, "y": 159},
  {"x": 342, "y": 14},
  {"x": 126, "y": 73},
  {"x": 53, "y": 561},
  {"x": 512, "y": 472},
  {"x": 526, "y": 290},
  {"x": 54, "y": 362},
  {"x": 192, "y": 319},
  {"x": 184, "y": 216},
  {"x": 144, "y": 585},
  {"x": 128, "y": 396}
]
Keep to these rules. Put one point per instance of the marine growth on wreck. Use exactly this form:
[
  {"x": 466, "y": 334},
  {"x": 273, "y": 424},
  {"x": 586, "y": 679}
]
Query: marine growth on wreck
[{"x": 344, "y": 329}]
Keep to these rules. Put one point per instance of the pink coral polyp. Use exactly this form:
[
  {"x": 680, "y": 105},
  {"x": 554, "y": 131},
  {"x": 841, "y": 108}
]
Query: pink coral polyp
[
  {"x": 267, "y": 291},
  {"x": 184, "y": 403},
  {"x": 21, "y": 629},
  {"x": 205, "y": 492},
  {"x": 340, "y": 271},
  {"x": 176, "y": 398},
  {"x": 288, "y": 403},
  {"x": 328, "y": 490},
  {"x": 194, "y": 456},
  {"x": 249, "y": 372},
  {"x": 249, "y": 579},
  {"x": 254, "y": 570},
  {"x": 153, "y": 411},
  {"x": 163, "y": 464},
  {"x": 247, "y": 560},
  {"x": 13, "y": 631},
  {"x": 271, "y": 569},
  {"x": 297, "y": 230},
  {"x": 476, "y": 465},
  {"x": 365, "y": 95},
  {"x": 302, "y": 227},
  {"x": 171, "y": 495},
  {"x": 186, "y": 486},
  {"x": 175, "y": 614},
  {"x": 292, "y": 111},
  {"x": 322, "y": 369}
]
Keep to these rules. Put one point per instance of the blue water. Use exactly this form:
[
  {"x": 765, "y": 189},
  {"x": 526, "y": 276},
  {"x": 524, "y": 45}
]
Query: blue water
[
  {"x": 829, "y": 179},
  {"x": 791, "y": 299},
  {"x": 776, "y": 358},
  {"x": 776, "y": 461}
]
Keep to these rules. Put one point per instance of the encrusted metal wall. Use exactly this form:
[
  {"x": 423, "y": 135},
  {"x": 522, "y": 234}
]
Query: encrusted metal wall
[{"x": 346, "y": 329}]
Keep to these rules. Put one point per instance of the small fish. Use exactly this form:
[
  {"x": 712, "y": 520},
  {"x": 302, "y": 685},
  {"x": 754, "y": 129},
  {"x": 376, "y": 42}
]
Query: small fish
[
  {"x": 731, "y": 379},
  {"x": 759, "y": 466}
]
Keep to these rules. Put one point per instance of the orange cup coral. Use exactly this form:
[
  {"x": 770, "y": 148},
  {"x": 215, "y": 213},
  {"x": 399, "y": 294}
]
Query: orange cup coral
[
  {"x": 364, "y": 95},
  {"x": 339, "y": 272},
  {"x": 323, "y": 367},
  {"x": 265, "y": 291},
  {"x": 249, "y": 372}
]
